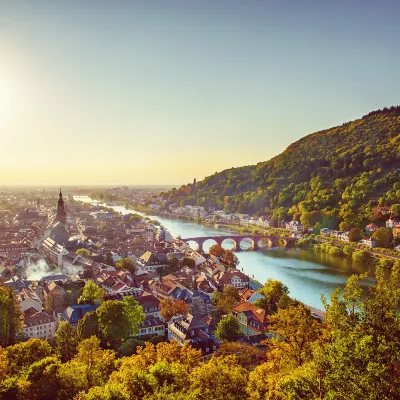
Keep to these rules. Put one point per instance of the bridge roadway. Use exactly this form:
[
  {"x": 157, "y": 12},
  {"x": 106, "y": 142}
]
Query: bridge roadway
[{"x": 256, "y": 240}]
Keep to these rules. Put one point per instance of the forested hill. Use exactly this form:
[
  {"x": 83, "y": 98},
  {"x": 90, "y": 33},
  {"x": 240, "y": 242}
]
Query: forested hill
[{"x": 338, "y": 174}]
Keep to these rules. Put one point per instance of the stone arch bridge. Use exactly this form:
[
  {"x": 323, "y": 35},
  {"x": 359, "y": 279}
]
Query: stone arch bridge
[{"x": 258, "y": 242}]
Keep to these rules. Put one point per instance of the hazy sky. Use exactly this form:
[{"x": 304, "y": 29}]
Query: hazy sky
[{"x": 135, "y": 92}]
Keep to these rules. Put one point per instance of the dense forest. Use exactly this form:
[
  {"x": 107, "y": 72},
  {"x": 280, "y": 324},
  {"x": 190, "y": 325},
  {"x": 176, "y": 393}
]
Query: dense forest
[
  {"x": 353, "y": 355},
  {"x": 335, "y": 175}
]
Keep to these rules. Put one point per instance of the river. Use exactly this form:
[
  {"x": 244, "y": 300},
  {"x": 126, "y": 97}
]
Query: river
[{"x": 305, "y": 273}]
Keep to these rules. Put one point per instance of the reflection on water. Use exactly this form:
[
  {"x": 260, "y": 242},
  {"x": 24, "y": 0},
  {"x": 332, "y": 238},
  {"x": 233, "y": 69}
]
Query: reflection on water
[{"x": 307, "y": 274}]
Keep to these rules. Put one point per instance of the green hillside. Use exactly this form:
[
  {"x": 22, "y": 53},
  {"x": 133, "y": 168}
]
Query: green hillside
[{"x": 338, "y": 174}]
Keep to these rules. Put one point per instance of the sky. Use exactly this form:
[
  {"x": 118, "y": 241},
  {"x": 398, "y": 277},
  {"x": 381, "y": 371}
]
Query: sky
[{"x": 161, "y": 92}]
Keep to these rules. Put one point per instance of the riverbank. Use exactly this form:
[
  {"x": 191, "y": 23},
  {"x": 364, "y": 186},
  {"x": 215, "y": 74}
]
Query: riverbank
[
  {"x": 383, "y": 257},
  {"x": 307, "y": 274}
]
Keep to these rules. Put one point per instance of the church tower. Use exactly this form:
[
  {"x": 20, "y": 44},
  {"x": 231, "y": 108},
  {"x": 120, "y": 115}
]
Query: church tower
[{"x": 61, "y": 213}]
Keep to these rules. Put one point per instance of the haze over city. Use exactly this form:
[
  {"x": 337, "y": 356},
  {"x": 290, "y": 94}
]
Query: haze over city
[{"x": 136, "y": 92}]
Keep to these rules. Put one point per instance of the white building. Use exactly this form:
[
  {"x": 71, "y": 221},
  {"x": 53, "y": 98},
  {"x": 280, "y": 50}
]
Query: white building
[
  {"x": 392, "y": 222},
  {"x": 368, "y": 242},
  {"x": 344, "y": 237},
  {"x": 39, "y": 324},
  {"x": 53, "y": 251},
  {"x": 151, "y": 326},
  {"x": 294, "y": 226}
]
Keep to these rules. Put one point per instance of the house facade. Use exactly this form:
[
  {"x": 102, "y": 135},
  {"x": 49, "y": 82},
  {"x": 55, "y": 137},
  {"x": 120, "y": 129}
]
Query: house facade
[
  {"x": 294, "y": 226},
  {"x": 233, "y": 278},
  {"x": 193, "y": 331},
  {"x": 252, "y": 319},
  {"x": 38, "y": 324},
  {"x": 151, "y": 326}
]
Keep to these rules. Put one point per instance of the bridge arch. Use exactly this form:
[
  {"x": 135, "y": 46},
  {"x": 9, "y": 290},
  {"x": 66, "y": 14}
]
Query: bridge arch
[
  {"x": 264, "y": 243},
  {"x": 194, "y": 245},
  {"x": 245, "y": 242},
  {"x": 207, "y": 243},
  {"x": 229, "y": 244}
]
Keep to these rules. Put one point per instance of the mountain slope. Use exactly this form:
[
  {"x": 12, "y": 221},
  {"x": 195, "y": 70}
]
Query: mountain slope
[{"x": 338, "y": 174}]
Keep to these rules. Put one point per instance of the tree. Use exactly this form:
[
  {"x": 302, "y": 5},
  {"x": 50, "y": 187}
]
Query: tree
[
  {"x": 344, "y": 226},
  {"x": 173, "y": 262},
  {"x": 66, "y": 341},
  {"x": 170, "y": 307},
  {"x": 361, "y": 256},
  {"x": 21, "y": 355},
  {"x": 188, "y": 261},
  {"x": 3, "y": 363},
  {"x": 119, "y": 319},
  {"x": 88, "y": 326},
  {"x": 272, "y": 291},
  {"x": 355, "y": 235},
  {"x": 230, "y": 385},
  {"x": 384, "y": 237},
  {"x": 361, "y": 350},
  {"x": 226, "y": 300},
  {"x": 42, "y": 378},
  {"x": 83, "y": 253},
  {"x": 247, "y": 355},
  {"x": 395, "y": 209},
  {"x": 10, "y": 316},
  {"x": 126, "y": 264},
  {"x": 298, "y": 329},
  {"x": 98, "y": 363},
  {"x": 216, "y": 250},
  {"x": 348, "y": 251},
  {"x": 231, "y": 291},
  {"x": 230, "y": 258},
  {"x": 91, "y": 293},
  {"x": 228, "y": 329}
]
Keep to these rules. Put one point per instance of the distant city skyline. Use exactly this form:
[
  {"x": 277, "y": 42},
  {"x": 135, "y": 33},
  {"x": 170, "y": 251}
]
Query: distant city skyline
[{"x": 161, "y": 92}]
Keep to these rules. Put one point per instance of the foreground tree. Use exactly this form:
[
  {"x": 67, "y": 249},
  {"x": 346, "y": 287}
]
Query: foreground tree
[
  {"x": 66, "y": 341},
  {"x": 42, "y": 379},
  {"x": 10, "y": 316},
  {"x": 88, "y": 326},
  {"x": 230, "y": 385},
  {"x": 361, "y": 353},
  {"x": 295, "y": 332},
  {"x": 275, "y": 295},
  {"x": 119, "y": 319},
  {"x": 91, "y": 293},
  {"x": 98, "y": 363},
  {"x": 248, "y": 356},
  {"x": 21, "y": 355},
  {"x": 170, "y": 307},
  {"x": 228, "y": 329}
]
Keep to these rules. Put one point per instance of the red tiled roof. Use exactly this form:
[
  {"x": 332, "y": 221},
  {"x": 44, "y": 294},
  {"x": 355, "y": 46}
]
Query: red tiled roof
[{"x": 258, "y": 313}]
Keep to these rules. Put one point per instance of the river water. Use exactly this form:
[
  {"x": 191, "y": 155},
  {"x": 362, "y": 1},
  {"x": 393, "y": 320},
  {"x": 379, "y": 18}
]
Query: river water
[{"x": 305, "y": 273}]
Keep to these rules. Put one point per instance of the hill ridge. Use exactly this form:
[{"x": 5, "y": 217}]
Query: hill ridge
[{"x": 333, "y": 175}]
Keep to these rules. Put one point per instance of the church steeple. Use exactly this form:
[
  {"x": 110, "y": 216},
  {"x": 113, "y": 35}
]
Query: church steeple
[{"x": 61, "y": 213}]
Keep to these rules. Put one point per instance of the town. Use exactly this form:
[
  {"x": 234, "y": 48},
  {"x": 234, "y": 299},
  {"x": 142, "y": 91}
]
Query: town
[{"x": 51, "y": 248}]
